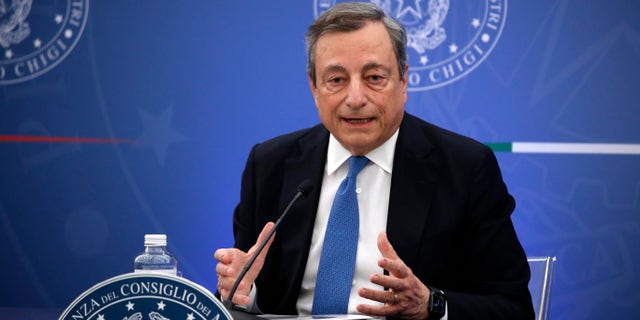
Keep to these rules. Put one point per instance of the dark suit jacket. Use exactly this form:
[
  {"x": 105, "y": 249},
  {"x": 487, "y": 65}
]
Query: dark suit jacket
[{"x": 449, "y": 219}]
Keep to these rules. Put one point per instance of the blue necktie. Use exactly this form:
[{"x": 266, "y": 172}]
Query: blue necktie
[{"x": 338, "y": 258}]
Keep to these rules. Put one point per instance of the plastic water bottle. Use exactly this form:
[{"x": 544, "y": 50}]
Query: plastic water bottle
[{"x": 156, "y": 258}]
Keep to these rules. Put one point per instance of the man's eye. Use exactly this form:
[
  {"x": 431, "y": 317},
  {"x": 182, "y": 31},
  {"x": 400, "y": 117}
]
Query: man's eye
[
  {"x": 335, "y": 81},
  {"x": 376, "y": 79}
]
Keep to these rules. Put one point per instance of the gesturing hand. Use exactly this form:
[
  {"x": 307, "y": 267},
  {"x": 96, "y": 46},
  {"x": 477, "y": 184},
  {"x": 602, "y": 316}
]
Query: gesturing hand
[
  {"x": 407, "y": 296},
  {"x": 230, "y": 264}
]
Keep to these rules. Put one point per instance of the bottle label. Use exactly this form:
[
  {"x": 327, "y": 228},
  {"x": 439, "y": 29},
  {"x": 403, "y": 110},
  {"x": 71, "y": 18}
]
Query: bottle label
[{"x": 171, "y": 272}]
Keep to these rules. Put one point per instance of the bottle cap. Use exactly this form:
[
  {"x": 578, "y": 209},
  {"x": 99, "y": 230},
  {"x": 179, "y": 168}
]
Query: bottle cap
[{"x": 155, "y": 240}]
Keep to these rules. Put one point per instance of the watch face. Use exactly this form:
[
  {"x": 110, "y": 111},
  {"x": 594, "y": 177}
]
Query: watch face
[{"x": 438, "y": 305}]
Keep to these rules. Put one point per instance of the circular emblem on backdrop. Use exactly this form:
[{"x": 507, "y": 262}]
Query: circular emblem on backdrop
[
  {"x": 446, "y": 39},
  {"x": 35, "y": 36},
  {"x": 136, "y": 296}
]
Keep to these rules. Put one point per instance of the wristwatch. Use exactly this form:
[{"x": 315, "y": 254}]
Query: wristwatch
[{"x": 437, "y": 303}]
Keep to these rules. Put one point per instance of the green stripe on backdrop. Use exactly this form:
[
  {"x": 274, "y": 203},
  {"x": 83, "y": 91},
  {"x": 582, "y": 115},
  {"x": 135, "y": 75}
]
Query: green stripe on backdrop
[{"x": 500, "y": 146}]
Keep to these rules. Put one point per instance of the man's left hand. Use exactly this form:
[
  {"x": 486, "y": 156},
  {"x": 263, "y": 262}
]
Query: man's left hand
[{"x": 407, "y": 297}]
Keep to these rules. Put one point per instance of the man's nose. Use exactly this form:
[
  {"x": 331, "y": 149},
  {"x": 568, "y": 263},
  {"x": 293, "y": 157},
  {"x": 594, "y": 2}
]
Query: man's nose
[{"x": 356, "y": 97}]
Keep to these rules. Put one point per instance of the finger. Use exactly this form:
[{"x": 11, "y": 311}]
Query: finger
[
  {"x": 222, "y": 255},
  {"x": 255, "y": 269},
  {"x": 382, "y": 296},
  {"x": 390, "y": 260},
  {"x": 231, "y": 256},
  {"x": 237, "y": 298},
  {"x": 225, "y": 270},
  {"x": 241, "y": 299},
  {"x": 396, "y": 268},
  {"x": 265, "y": 232},
  {"x": 385, "y": 247},
  {"x": 229, "y": 278},
  {"x": 225, "y": 282},
  {"x": 391, "y": 282},
  {"x": 263, "y": 235},
  {"x": 378, "y": 311}
]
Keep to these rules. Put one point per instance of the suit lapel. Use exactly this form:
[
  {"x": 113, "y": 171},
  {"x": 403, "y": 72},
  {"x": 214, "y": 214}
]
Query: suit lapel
[{"x": 413, "y": 182}]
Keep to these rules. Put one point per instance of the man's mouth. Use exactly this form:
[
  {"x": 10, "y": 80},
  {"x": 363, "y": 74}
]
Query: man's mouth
[{"x": 358, "y": 121}]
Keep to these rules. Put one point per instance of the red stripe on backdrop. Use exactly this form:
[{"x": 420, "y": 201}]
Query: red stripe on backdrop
[{"x": 40, "y": 139}]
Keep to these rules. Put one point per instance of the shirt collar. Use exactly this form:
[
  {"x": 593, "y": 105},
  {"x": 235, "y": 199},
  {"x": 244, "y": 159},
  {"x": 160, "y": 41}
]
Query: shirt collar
[{"x": 382, "y": 156}]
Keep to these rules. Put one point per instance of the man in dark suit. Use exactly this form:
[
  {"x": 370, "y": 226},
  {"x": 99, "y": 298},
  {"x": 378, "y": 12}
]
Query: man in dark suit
[{"x": 435, "y": 223}]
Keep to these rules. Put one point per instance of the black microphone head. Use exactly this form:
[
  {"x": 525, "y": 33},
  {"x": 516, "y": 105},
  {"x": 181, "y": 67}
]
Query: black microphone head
[{"x": 305, "y": 187}]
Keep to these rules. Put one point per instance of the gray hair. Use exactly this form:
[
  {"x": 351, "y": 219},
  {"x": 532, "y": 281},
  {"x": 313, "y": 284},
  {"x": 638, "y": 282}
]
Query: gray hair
[{"x": 352, "y": 16}]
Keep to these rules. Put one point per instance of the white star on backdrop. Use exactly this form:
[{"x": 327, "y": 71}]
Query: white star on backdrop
[
  {"x": 412, "y": 9},
  {"x": 158, "y": 133}
]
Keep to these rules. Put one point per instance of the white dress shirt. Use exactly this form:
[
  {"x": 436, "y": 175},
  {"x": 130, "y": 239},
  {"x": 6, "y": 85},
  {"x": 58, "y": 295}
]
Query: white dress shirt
[{"x": 372, "y": 186}]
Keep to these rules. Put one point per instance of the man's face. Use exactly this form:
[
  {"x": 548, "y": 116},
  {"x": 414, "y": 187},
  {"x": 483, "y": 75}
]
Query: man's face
[{"x": 359, "y": 93}]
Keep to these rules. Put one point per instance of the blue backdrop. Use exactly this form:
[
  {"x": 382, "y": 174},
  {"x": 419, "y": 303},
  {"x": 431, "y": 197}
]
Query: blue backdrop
[{"x": 120, "y": 118}]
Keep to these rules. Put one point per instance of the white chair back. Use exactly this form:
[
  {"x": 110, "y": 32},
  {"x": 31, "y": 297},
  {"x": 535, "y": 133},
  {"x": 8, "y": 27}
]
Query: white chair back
[{"x": 542, "y": 269}]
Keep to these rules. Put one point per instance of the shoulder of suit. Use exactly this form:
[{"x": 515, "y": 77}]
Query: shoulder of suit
[
  {"x": 289, "y": 142},
  {"x": 442, "y": 139}
]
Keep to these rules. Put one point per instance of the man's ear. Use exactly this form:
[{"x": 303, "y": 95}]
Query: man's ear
[
  {"x": 314, "y": 89},
  {"x": 405, "y": 82}
]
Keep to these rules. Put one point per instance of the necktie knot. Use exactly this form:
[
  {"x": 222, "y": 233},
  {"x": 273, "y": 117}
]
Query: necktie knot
[{"x": 356, "y": 164}]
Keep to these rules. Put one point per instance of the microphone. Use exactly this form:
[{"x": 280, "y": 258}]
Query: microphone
[{"x": 303, "y": 189}]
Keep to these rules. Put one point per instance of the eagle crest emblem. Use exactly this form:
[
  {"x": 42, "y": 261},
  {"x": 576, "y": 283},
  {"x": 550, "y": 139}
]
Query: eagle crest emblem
[
  {"x": 424, "y": 25},
  {"x": 13, "y": 25}
]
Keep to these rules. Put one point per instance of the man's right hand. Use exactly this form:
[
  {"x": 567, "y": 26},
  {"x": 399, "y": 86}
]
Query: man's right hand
[{"x": 231, "y": 261}]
